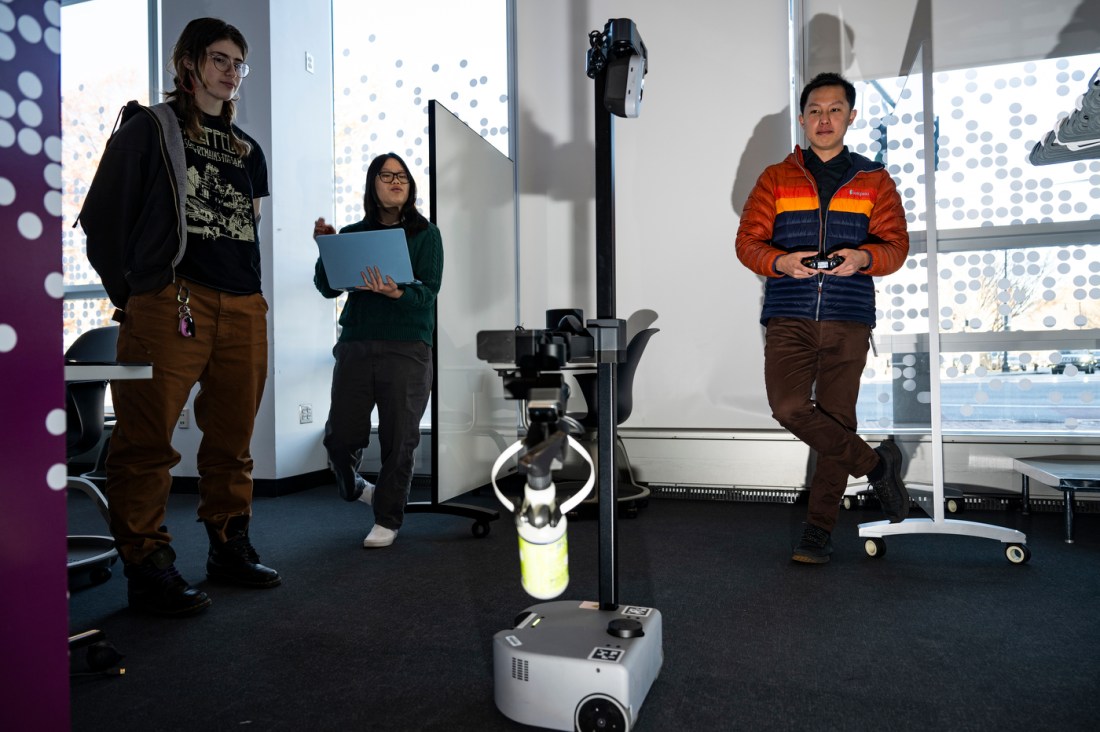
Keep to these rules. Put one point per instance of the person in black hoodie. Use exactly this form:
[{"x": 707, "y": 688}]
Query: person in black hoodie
[{"x": 171, "y": 220}]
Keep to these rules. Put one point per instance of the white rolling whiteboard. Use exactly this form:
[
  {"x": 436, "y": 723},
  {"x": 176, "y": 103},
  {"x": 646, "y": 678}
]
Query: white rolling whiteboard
[{"x": 473, "y": 202}]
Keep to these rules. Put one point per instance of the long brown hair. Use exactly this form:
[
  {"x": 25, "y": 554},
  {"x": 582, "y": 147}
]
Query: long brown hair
[{"x": 191, "y": 46}]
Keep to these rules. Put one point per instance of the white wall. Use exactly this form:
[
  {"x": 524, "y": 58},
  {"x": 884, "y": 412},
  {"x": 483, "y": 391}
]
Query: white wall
[
  {"x": 289, "y": 112},
  {"x": 965, "y": 34},
  {"x": 716, "y": 70}
]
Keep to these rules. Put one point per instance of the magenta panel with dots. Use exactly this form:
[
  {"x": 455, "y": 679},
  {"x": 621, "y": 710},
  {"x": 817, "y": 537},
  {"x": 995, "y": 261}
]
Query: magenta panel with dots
[{"x": 32, "y": 427}]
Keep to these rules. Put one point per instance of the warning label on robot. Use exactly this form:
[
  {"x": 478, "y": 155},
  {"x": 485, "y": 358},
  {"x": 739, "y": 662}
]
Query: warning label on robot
[
  {"x": 611, "y": 655},
  {"x": 633, "y": 611}
]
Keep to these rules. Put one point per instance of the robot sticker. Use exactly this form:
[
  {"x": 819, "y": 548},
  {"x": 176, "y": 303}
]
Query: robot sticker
[
  {"x": 633, "y": 611},
  {"x": 610, "y": 655}
]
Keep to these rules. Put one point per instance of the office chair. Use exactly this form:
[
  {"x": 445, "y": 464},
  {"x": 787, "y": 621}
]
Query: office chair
[
  {"x": 85, "y": 424},
  {"x": 631, "y": 495},
  {"x": 90, "y": 555}
]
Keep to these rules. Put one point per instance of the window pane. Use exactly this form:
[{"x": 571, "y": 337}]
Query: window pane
[
  {"x": 83, "y": 314},
  {"x": 1000, "y": 391},
  {"x": 388, "y": 63},
  {"x": 97, "y": 79},
  {"x": 1020, "y": 284},
  {"x": 1020, "y": 289},
  {"x": 988, "y": 120}
]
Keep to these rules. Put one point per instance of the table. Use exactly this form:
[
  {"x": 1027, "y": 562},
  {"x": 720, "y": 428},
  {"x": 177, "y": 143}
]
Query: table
[
  {"x": 1067, "y": 473},
  {"x": 97, "y": 553},
  {"x": 106, "y": 371}
]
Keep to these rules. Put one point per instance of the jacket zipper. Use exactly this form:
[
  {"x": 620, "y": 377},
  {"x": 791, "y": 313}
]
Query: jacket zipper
[
  {"x": 822, "y": 221},
  {"x": 824, "y": 218}
]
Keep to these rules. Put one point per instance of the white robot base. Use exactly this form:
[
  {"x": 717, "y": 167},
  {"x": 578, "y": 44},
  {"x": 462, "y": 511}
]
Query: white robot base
[{"x": 569, "y": 665}]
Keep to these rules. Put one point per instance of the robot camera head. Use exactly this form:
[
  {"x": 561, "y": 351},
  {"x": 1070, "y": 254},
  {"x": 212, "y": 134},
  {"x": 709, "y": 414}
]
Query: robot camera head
[{"x": 620, "y": 53}]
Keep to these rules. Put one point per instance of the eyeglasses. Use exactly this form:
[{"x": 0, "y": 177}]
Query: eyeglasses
[
  {"x": 223, "y": 62},
  {"x": 387, "y": 177}
]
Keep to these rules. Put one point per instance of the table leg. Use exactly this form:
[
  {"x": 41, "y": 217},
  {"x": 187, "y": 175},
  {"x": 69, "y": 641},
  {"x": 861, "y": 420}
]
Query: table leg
[
  {"x": 1070, "y": 497},
  {"x": 1025, "y": 494}
]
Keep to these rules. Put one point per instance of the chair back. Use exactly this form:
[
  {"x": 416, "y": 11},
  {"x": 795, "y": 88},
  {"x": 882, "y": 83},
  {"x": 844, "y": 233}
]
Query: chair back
[
  {"x": 84, "y": 399},
  {"x": 97, "y": 344},
  {"x": 625, "y": 374},
  {"x": 624, "y": 382}
]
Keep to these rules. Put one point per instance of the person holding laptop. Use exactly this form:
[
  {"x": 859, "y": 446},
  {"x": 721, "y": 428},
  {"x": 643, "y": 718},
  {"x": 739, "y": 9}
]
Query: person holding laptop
[{"x": 384, "y": 351}]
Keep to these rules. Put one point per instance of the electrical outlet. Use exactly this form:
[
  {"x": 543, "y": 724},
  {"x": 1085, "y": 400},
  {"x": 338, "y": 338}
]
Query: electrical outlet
[
  {"x": 309, "y": 62},
  {"x": 305, "y": 414},
  {"x": 184, "y": 420}
]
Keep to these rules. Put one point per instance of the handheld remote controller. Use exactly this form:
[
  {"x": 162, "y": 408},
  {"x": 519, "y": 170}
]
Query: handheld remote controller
[{"x": 820, "y": 262}]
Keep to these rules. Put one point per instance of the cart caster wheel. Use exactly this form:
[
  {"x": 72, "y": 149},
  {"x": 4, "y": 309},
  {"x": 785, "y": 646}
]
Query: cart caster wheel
[
  {"x": 480, "y": 529},
  {"x": 100, "y": 575},
  {"x": 1017, "y": 553},
  {"x": 953, "y": 505},
  {"x": 847, "y": 503},
  {"x": 874, "y": 547}
]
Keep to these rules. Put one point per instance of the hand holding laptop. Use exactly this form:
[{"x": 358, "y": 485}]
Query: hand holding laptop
[{"x": 374, "y": 282}]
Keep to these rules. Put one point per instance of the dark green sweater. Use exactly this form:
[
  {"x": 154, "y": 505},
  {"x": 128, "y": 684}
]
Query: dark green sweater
[{"x": 368, "y": 316}]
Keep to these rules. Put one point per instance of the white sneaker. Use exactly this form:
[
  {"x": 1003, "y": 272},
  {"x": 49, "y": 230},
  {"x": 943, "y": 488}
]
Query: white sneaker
[
  {"x": 367, "y": 496},
  {"x": 379, "y": 537}
]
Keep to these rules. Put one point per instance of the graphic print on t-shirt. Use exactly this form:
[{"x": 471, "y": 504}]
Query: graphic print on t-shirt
[{"x": 215, "y": 208}]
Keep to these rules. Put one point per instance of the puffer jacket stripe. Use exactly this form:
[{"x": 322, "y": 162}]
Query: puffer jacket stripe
[{"x": 783, "y": 215}]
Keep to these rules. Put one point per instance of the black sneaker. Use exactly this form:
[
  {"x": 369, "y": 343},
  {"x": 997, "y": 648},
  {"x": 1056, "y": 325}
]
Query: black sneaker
[
  {"x": 889, "y": 489},
  {"x": 351, "y": 492},
  {"x": 156, "y": 587},
  {"x": 815, "y": 547},
  {"x": 235, "y": 561}
]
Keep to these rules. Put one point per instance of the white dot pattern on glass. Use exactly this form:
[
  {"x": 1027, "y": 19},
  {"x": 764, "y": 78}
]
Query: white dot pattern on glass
[
  {"x": 388, "y": 82},
  {"x": 988, "y": 120}
]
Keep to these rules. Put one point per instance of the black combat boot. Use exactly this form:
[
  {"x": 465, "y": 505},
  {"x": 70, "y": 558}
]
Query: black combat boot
[
  {"x": 234, "y": 560},
  {"x": 156, "y": 587}
]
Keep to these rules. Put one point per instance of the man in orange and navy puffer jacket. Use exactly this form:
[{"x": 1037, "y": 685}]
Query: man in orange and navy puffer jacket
[{"x": 818, "y": 226}]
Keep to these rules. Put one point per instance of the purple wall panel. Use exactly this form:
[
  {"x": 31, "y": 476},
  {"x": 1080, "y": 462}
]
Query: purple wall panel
[{"x": 34, "y": 605}]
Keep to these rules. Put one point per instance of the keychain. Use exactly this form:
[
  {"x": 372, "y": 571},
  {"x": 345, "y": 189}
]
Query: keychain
[{"x": 187, "y": 323}]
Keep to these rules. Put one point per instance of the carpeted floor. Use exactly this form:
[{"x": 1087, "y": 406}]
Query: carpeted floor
[{"x": 941, "y": 633}]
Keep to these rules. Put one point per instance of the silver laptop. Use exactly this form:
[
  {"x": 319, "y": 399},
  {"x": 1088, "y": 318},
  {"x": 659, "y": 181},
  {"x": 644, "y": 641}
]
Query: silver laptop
[{"x": 347, "y": 256}]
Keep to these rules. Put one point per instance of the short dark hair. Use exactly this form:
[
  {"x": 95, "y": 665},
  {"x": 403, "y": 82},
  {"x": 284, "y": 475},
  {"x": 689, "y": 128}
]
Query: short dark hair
[{"x": 828, "y": 78}]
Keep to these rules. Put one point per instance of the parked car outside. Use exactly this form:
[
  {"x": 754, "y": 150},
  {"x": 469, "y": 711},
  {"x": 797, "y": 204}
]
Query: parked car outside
[{"x": 1084, "y": 361}]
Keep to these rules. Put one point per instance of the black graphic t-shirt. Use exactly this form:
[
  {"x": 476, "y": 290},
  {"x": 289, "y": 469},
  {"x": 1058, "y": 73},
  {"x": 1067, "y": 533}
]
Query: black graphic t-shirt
[{"x": 223, "y": 247}]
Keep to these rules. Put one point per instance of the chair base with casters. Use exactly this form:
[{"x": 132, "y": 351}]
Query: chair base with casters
[
  {"x": 631, "y": 496},
  {"x": 100, "y": 657},
  {"x": 91, "y": 554},
  {"x": 86, "y": 422}
]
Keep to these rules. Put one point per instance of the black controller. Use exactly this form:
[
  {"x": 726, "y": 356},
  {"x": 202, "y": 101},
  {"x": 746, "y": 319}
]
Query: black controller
[{"x": 820, "y": 262}]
